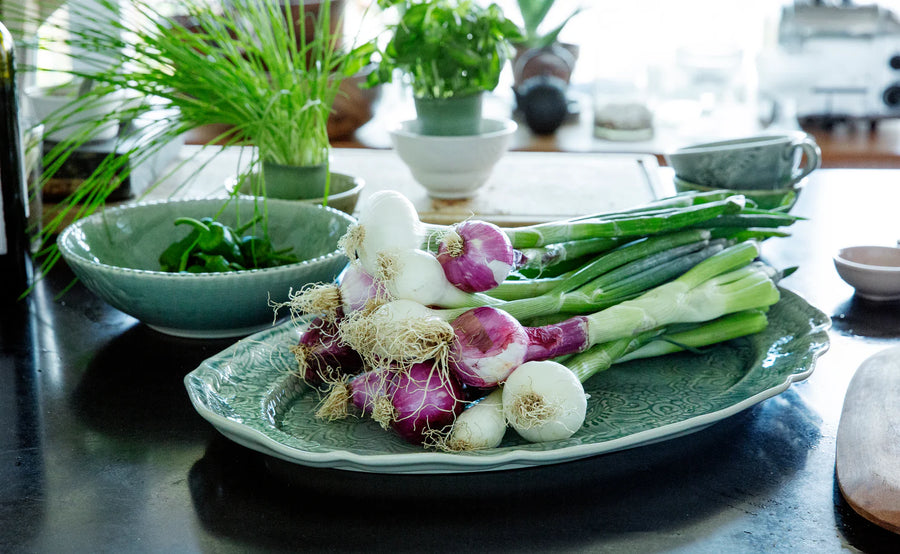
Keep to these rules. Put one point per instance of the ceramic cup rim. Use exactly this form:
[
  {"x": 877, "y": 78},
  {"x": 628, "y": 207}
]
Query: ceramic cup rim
[
  {"x": 739, "y": 143},
  {"x": 841, "y": 258},
  {"x": 500, "y": 127}
]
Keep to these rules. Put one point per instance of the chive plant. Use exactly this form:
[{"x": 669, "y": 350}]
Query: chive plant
[{"x": 239, "y": 64}]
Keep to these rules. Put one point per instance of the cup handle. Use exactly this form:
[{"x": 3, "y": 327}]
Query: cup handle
[{"x": 813, "y": 156}]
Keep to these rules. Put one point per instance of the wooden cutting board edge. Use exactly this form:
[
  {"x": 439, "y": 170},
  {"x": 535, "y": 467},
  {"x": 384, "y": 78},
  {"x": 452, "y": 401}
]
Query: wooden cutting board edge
[{"x": 867, "y": 455}]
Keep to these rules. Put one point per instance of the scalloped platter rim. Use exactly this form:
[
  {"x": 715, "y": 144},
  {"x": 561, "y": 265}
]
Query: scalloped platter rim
[{"x": 249, "y": 394}]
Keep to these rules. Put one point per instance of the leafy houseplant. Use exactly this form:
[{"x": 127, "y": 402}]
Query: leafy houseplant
[
  {"x": 540, "y": 52},
  {"x": 533, "y": 13},
  {"x": 238, "y": 64},
  {"x": 542, "y": 68},
  {"x": 452, "y": 51}
]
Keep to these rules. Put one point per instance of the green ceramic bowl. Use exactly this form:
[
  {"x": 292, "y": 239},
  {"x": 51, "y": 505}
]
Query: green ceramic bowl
[
  {"x": 777, "y": 199},
  {"x": 115, "y": 253},
  {"x": 343, "y": 195}
]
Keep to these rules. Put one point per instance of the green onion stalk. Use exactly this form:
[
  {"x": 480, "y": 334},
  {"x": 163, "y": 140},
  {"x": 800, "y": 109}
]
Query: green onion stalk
[
  {"x": 388, "y": 222},
  {"x": 483, "y": 345},
  {"x": 638, "y": 224},
  {"x": 536, "y": 414}
]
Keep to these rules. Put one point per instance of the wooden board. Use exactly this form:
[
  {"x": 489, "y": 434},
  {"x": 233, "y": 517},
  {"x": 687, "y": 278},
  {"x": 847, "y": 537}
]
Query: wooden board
[
  {"x": 524, "y": 188},
  {"x": 868, "y": 440}
]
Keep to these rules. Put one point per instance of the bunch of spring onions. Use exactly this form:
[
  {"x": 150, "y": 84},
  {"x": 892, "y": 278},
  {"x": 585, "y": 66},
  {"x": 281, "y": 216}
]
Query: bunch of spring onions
[{"x": 449, "y": 335}]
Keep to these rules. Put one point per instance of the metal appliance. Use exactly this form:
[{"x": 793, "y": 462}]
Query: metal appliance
[{"x": 835, "y": 62}]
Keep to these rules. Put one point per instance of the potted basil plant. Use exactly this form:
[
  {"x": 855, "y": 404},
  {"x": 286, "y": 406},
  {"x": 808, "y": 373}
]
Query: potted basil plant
[{"x": 452, "y": 52}]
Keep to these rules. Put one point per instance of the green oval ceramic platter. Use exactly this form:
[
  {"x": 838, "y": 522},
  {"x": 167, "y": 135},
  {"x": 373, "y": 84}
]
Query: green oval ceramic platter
[{"x": 250, "y": 395}]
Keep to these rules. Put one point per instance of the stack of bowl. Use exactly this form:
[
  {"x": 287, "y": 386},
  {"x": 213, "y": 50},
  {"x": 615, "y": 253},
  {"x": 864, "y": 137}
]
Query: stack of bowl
[
  {"x": 767, "y": 169},
  {"x": 452, "y": 166}
]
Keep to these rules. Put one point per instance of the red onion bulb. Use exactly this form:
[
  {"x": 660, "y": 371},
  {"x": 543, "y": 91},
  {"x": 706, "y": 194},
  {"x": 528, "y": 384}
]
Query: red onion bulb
[
  {"x": 358, "y": 288},
  {"x": 425, "y": 399},
  {"x": 489, "y": 344},
  {"x": 476, "y": 256},
  {"x": 321, "y": 355}
]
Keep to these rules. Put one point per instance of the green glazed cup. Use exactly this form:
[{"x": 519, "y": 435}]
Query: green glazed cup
[
  {"x": 343, "y": 190},
  {"x": 290, "y": 182},
  {"x": 456, "y": 116},
  {"x": 764, "y": 162}
]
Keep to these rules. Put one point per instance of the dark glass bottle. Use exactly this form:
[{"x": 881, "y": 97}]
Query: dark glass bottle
[{"x": 15, "y": 264}]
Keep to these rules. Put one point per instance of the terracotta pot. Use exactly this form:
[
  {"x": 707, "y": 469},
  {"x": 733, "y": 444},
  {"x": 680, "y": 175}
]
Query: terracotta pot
[
  {"x": 353, "y": 106},
  {"x": 557, "y": 60},
  {"x": 311, "y": 10}
]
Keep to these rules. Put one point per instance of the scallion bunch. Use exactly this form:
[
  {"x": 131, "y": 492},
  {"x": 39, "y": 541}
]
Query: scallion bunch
[{"x": 450, "y": 313}]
